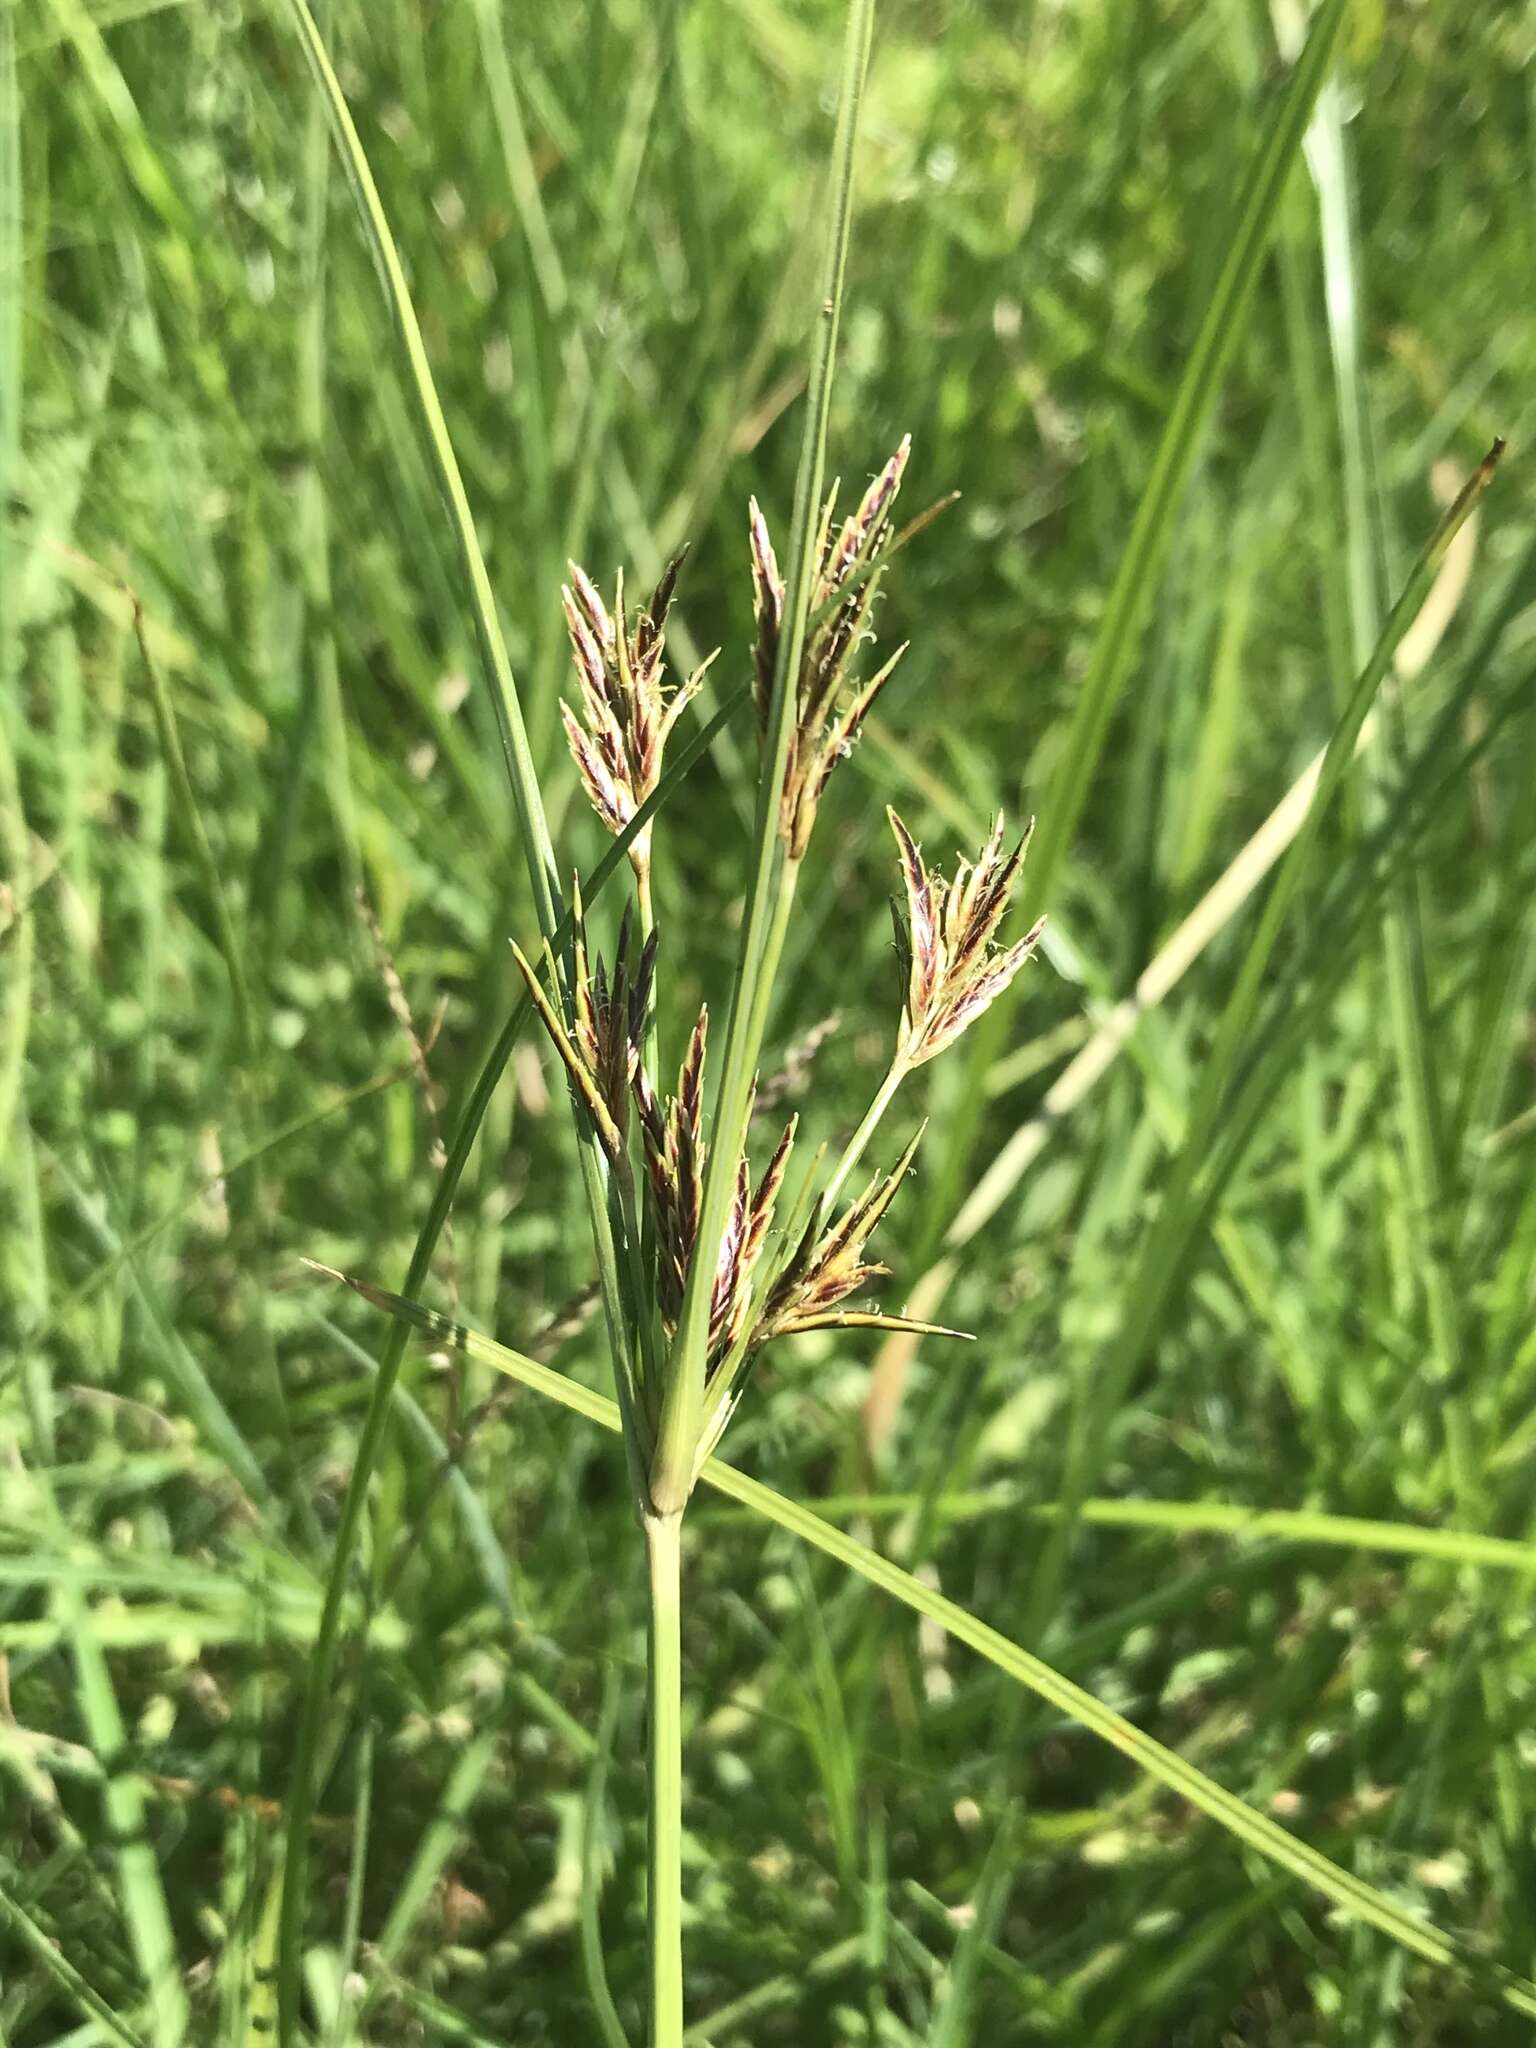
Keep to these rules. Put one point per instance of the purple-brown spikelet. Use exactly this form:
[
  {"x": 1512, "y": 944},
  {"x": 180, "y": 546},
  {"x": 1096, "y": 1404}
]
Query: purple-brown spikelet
[
  {"x": 609, "y": 1012},
  {"x": 768, "y": 1193},
  {"x": 945, "y": 941},
  {"x": 830, "y": 703},
  {"x": 619, "y": 740},
  {"x": 828, "y": 1266}
]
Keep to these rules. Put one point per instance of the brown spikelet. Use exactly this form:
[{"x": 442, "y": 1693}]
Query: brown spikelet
[
  {"x": 609, "y": 1010},
  {"x": 949, "y": 966},
  {"x": 627, "y": 712},
  {"x": 828, "y": 1265},
  {"x": 830, "y": 703}
]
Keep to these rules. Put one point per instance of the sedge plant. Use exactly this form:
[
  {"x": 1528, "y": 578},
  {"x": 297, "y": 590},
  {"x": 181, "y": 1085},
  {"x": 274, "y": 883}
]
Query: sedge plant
[
  {"x": 700, "y": 1262},
  {"x": 772, "y": 1269}
]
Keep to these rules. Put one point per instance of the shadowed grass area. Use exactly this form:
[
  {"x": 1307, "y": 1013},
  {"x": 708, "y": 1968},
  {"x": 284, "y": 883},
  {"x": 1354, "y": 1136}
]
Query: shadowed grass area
[{"x": 1243, "y": 1447}]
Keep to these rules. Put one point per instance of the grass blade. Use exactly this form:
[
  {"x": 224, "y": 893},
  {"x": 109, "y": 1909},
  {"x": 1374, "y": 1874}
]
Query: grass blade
[
  {"x": 1152, "y": 532},
  {"x": 1147, "y": 546},
  {"x": 1220, "y": 1123},
  {"x": 1255, "y": 1830}
]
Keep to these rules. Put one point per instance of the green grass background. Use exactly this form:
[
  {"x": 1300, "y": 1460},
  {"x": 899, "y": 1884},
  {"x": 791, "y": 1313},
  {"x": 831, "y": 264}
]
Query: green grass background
[{"x": 609, "y": 215}]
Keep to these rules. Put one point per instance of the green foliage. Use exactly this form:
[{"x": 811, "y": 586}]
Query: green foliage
[{"x": 1248, "y": 1410}]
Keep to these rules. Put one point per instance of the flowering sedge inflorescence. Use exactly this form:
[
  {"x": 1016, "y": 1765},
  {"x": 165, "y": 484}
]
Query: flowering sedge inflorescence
[
  {"x": 830, "y": 706},
  {"x": 618, "y": 742},
  {"x": 771, "y": 1274}
]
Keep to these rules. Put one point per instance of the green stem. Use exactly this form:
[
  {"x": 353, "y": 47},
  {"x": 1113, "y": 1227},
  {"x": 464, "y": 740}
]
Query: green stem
[
  {"x": 683, "y": 1409},
  {"x": 853, "y": 1152},
  {"x": 772, "y": 880},
  {"x": 664, "y": 1777}
]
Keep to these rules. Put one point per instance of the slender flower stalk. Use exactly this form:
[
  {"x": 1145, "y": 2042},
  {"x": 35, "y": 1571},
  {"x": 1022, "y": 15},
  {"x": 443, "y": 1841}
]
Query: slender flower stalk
[{"x": 664, "y": 1775}]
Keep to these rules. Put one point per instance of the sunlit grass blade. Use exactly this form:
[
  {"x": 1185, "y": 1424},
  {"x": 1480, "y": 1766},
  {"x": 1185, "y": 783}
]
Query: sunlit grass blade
[
  {"x": 1422, "y": 1109},
  {"x": 1246, "y": 1824},
  {"x": 1152, "y": 532},
  {"x": 1203, "y": 1517},
  {"x": 1218, "y": 1125},
  {"x": 538, "y": 853},
  {"x": 1211, "y": 916}
]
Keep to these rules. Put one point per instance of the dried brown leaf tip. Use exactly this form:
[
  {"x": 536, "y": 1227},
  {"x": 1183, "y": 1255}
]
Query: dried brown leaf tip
[
  {"x": 831, "y": 703},
  {"x": 627, "y": 712},
  {"x": 951, "y": 969},
  {"x": 601, "y": 1052}
]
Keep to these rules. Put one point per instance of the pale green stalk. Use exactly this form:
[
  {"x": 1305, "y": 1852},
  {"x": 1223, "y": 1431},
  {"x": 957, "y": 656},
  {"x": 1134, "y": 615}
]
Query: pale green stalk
[
  {"x": 854, "y": 1150},
  {"x": 664, "y": 1776}
]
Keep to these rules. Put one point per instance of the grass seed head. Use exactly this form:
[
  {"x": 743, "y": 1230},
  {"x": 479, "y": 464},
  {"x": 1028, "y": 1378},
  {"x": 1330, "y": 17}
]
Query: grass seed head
[
  {"x": 944, "y": 941},
  {"x": 610, "y": 1009},
  {"x": 828, "y": 1266},
  {"x": 830, "y": 703},
  {"x": 627, "y": 713}
]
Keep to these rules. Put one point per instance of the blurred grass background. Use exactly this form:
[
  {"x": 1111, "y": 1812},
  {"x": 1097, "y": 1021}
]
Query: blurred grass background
[{"x": 608, "y": 214}]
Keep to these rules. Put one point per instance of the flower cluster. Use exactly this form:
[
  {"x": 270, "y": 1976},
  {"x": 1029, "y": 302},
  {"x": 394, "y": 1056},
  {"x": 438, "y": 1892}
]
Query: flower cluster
[
  {"x": 783, "y": 1260},
  {"x": 628, "y": 715},
  {"x": 830, "y": 705},
  {"x": 950, "y": 968},
  {"x": 761, "y": 1288},
  {"x": 768, "y": 1278},
  {"x": 673, "y": 1136},
  {"x": 601, "y": 1054}
]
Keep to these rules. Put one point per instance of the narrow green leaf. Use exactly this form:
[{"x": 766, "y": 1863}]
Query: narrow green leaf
[
  {"x": 1360, "y": 1901},
  {"x": 1152, "y": 532}
]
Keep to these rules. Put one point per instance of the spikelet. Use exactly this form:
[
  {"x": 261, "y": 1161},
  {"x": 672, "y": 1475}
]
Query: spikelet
[
  {"x": 601, "y": 1053},
  {"x": 944, "y": 940},
  {"x": 830, "y": 703},
  {"x": 627, "y": 715}
]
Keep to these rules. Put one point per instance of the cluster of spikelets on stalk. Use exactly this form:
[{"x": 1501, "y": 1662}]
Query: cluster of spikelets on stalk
[{"x": 773, "y": 1275}]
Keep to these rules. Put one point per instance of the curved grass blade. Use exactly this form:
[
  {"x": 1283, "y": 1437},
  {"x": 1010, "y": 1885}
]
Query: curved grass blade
[
  {"x": 1255, "y": 1830},
  {"x": 1223, "y": 1116},
  {"x": 1208, "y": 1518},
  {"x": 537, "y": 850},
  {"x": 1152, "y": 531}
]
